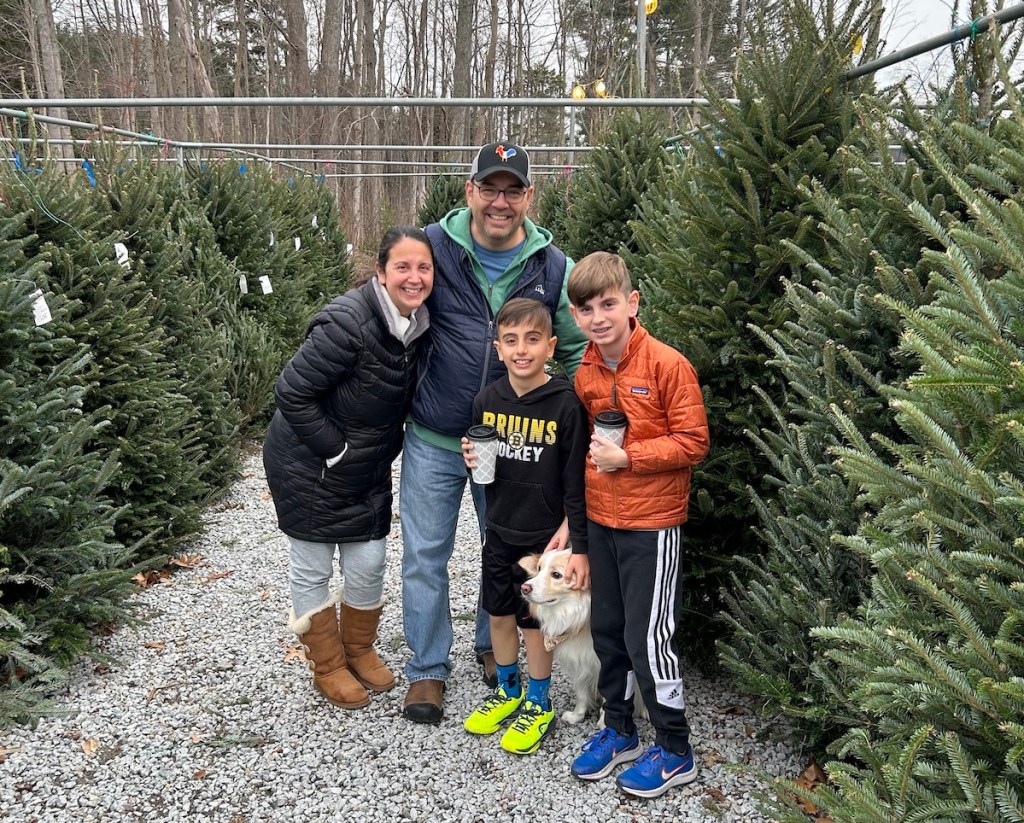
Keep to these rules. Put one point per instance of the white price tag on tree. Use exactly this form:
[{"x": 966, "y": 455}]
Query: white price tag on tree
[{"x": 40, "y": 309}]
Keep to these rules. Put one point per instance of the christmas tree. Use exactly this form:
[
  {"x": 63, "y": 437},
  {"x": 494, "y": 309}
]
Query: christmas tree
[
  {"x": 716, "y": 254},
  {"x": 61, "y": 569}
]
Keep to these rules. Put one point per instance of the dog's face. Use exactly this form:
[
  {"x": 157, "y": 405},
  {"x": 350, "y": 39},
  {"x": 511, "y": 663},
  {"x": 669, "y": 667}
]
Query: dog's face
[{"x": 547, "y": 582}]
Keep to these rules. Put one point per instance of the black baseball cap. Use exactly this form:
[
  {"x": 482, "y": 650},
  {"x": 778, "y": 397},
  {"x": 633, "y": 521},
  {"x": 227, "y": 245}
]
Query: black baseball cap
[{"x": 501, "y": 156}]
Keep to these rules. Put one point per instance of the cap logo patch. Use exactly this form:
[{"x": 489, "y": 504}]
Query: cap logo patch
[{"x": 505, "y": 154}]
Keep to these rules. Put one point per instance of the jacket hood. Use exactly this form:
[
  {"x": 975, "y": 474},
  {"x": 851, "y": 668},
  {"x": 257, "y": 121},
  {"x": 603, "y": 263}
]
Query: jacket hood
[{"x": 456, "y": 224}]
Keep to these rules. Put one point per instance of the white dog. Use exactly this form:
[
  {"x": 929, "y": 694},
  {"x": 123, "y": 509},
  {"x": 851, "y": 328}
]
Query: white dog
[{"x": 564, "y": 617}]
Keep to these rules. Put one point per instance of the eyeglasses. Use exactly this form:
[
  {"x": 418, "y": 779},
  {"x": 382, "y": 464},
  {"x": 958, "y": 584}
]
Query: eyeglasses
[{"x": 512, "y": 196}]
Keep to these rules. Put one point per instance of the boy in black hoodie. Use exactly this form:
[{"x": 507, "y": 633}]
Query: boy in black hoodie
[{"x": 537, "y": 493}]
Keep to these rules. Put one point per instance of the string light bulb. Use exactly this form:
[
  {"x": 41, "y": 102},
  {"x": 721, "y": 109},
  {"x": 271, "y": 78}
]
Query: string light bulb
[{"x": 579, "y": 91}]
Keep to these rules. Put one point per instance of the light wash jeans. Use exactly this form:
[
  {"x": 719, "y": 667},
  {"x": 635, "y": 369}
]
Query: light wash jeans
[
  {"x": 310, "y": 566},
  {"x": 433, "y": 481}
]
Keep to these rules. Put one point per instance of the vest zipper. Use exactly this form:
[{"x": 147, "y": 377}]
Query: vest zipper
[{"x": 487, "y": 352}]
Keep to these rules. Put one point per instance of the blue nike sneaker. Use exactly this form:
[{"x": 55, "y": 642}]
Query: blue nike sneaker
[{"x": 657, "y": 771}]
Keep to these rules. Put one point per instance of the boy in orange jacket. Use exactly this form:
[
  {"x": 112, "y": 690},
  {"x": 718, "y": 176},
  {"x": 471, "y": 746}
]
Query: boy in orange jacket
[{"x": 637, "y": 498}]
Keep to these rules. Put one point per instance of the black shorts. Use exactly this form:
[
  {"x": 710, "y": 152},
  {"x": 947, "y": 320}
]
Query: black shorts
[{"x": 501, "y": 576}]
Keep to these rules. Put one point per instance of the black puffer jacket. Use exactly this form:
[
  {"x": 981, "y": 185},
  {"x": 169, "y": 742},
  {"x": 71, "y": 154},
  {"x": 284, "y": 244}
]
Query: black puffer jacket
[{"x": 348, "y": 389}]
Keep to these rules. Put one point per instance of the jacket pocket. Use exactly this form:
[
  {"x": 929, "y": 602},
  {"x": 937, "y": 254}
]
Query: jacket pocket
[{"x": 521, "y": 506}]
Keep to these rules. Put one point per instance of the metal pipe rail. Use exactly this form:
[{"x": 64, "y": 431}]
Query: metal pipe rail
[{"x": 366, "y": 102}]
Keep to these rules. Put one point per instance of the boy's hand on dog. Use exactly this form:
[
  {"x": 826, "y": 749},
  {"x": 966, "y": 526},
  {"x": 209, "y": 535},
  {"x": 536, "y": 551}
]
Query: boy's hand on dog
[
  {"x": 577, "y": 571},
  {"x": 606, "y": 455},
  {"x": 468, "y": 454},
  {"x": 560, "y": 539}
]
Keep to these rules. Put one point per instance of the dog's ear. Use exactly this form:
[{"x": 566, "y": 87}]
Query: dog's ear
[{"x": 530, "y": 564}]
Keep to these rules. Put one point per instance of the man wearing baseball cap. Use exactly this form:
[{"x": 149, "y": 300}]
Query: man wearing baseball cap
[{"x": 484, "y": 254}]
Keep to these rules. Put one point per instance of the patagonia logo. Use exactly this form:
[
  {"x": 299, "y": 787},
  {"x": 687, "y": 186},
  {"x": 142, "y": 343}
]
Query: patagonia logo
[
  {"x": 639, "y": 390},
  {"x": 539, "y": 289}
]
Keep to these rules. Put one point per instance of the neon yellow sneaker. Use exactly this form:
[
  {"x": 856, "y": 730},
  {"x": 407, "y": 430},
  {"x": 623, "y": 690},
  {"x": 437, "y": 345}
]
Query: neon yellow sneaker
[
  {"x": 489, "y": 715},
  {"x": 532, "y": 726}
]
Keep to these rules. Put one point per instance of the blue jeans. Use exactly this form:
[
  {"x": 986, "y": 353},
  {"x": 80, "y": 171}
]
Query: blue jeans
[
  {"x": 430, "y": 496},
  {"x": 311, "y": 566}
]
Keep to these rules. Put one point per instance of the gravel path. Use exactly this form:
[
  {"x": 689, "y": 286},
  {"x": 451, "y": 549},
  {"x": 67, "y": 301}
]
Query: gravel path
[{"x": 208, "y": 715}]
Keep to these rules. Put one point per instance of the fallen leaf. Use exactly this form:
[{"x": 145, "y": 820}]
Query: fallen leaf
[
  {"x": 294, "y": 653},
  {"x": 219, "y": 575},
  {"x": 5, "y": 752},
  {"x": 157, "y": 689},
  {"x": 90, "y": 745},
  {"x": 748, "y": 730},
  {"x": 199, "y": 775},
  {"x": 266, "y": 496},
  {"x": 717, "y": 794},
  {"x": 265, "y": 595},
  {"x": 810, "y": 778},
  {"x": 731, "y": 709},
  {"x": 157, "y": 646},
  {"x": 197, "y": 738},
  {"x": 187, "y": 561},
  {"x": 146, "y": 579},
  {"x": 709, "y": 757}
]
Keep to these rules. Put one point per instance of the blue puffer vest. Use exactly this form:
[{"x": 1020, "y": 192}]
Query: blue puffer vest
[{"x": 459, "y": 358}]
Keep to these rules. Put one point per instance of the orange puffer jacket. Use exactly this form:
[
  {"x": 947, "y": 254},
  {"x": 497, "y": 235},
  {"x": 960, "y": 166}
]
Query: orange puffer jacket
[{"x": 656, "y": 388}]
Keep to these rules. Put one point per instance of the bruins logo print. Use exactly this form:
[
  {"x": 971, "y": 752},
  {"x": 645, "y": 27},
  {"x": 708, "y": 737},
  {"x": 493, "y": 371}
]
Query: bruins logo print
[{"x": 516, "y": 440}]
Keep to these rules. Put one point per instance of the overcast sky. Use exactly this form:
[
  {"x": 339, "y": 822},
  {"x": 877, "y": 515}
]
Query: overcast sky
[{"x": 910, "y": 22}]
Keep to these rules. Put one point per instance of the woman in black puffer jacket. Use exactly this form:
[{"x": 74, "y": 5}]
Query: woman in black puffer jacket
[{"x": 342, "y": 401}]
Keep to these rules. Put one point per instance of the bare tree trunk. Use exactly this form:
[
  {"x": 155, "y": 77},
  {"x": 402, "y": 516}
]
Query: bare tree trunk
[
  {"x": 483, "y": 123},
  {"x": 464, "y": 22},
  {"x": 297, "y": 64},
  {"x": 188, "y": 56},
  {"x": 241, "y": 116},
  {"x": 328, "y": 74},
  {"x": 158, "y": 74},
  {"x": 698, "y": 46},
  {"x": 52, "y": 73}
]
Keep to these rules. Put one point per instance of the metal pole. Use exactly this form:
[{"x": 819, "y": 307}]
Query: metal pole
[
  {"x": 572, "y": 134},
  {"x": 978, "y": 26},
  {"x": 641, "y": 48},
  {"x": 378, "y": 102}
]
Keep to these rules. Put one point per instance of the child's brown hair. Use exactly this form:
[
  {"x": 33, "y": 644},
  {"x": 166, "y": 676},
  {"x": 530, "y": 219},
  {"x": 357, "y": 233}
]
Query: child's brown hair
[
  {"x": 598, "y": 272},
  {"x": 521, "y": 310}
]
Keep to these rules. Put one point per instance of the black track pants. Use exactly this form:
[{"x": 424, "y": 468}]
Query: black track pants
[{"x": 637, "y": 600}]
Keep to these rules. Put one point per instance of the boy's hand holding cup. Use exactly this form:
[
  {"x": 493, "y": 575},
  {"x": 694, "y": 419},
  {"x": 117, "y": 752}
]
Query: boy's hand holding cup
[
  {"x": 610, "y": 425},
  {"x": 482, "y": 452}
]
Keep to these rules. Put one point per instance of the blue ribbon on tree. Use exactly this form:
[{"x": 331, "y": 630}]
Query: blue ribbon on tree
[
  {"x": 88, "y": 170},
  {"x": 21, "y": 166}
]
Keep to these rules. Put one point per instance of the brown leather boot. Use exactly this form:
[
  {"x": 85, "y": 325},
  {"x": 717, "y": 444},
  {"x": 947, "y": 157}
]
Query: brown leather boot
[
  {"x": 358, "y": 632},
  {"x": 424, "y": 702},
  {"x": 321, "y": 640}
]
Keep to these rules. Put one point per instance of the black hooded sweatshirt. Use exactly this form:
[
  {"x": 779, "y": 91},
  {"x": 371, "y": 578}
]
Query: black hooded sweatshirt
[{"x": 543, "y": 438}]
